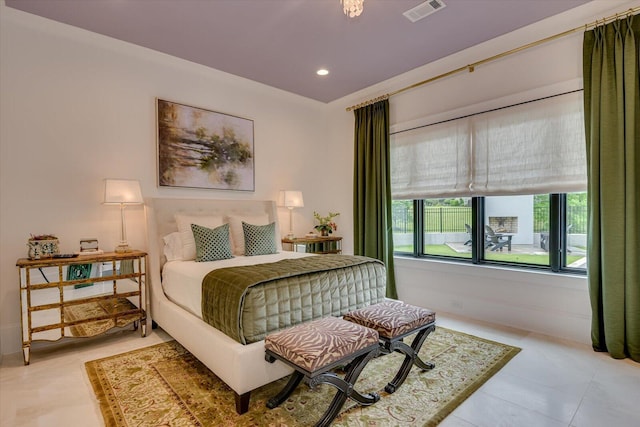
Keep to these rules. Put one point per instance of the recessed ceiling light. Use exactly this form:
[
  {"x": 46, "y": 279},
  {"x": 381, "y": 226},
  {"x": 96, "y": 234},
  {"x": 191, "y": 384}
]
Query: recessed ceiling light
[{"x": 322, "y": 72}]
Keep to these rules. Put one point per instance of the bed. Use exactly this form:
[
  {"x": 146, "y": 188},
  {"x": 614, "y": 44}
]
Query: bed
[{"x": 178, "y": 311}]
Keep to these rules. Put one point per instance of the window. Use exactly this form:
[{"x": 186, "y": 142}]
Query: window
[
  {"x": 403, "y": 226},
  {"x": 511, "y": 229},
  {"x": 500, "y": 186},
  {"x": 575, "y": 243},
  {"x": 447, "y": 227},
  {"x": 516, "y": 230}
]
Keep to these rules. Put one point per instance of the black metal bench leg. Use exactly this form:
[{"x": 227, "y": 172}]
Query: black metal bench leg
[
  {"x": 345, "y": 388},
  {"x": 411, "y": 358},
  {"x": 352, "y": 375},
  {"x": 286, "y": 391},
  {"x": 416, "y": 345}
]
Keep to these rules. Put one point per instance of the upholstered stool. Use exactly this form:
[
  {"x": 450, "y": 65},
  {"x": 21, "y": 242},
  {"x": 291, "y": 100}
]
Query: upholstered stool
[
  {"x": 394, "y": 320},
  {"x": 314, "y": 348}
]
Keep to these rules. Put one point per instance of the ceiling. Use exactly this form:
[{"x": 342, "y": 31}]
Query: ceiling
[{"x": 282, "y": 43}]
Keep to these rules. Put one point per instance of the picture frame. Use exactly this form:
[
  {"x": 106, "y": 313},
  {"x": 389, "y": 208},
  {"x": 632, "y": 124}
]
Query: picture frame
[{"x": 200, "y": 148}]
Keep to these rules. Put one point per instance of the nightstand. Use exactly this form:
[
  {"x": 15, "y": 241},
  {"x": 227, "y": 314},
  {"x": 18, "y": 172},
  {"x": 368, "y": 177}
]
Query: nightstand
[
  {"x": 82, "y": 296},
  {"x": 315, "y": 245}
]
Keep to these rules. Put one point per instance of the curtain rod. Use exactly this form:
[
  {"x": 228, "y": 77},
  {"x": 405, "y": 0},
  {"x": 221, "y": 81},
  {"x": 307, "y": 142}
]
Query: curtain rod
[{"x": 471, "y": 67}]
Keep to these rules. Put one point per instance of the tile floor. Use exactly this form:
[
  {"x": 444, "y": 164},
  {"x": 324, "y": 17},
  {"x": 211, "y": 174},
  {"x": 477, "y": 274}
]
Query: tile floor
[{"x": 551, "y": 382}]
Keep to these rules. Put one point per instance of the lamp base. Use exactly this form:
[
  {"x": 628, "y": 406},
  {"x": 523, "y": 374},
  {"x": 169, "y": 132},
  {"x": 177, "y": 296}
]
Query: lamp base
[{"x": 122, "y": 248}]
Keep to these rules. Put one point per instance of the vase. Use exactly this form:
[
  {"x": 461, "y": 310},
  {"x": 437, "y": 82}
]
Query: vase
[{"x": 324, "y": 233}]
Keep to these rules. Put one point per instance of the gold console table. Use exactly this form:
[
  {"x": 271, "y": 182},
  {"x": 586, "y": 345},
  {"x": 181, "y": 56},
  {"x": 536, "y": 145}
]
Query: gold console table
[{"x": 59, "y": 299}]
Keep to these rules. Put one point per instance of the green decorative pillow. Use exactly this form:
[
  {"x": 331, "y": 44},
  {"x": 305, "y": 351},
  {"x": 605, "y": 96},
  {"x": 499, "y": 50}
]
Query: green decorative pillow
[
  {"x": 259, "y": 239},
  {"x": 212, "y": 244}
]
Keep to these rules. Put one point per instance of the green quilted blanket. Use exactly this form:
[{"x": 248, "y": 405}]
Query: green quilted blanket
[{"x": 249, "y": 302}]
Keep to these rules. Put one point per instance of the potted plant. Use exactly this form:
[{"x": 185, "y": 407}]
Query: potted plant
[
  {"x": 42, "y": 246},
  {"x": 325, "y": 225}
]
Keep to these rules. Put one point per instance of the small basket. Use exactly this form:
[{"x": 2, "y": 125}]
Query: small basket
[{"x": 42, "y": 248}]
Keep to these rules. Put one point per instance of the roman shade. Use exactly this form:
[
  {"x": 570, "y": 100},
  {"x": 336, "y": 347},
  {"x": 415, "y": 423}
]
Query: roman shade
[{"x": 529, "y": 148}]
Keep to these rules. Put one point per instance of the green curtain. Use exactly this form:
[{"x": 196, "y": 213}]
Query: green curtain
[
  {"x": 373, "y": 234},
  {"x": 612, "y": 121}
]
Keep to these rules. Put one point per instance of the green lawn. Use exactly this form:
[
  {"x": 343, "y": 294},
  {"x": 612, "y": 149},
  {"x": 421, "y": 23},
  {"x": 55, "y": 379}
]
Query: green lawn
[{"x": 444, "y": 250}]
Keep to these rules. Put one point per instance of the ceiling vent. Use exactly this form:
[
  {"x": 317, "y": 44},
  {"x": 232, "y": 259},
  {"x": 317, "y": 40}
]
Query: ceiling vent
[{"x": 424, "y": 9}]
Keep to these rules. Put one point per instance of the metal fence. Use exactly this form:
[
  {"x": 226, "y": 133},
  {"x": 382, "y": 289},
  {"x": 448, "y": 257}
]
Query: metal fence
[
  {"x": 437, "y": 219},
  {"x": 447, "y": 219},
  {"x": 576, "y": 219},
  {"x": 402, "y": 218}
]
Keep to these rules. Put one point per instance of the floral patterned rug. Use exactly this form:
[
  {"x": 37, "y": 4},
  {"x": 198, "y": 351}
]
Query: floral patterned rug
[
  {"x": 96, "y": 309},
  {"x": 164, "y": 385}
]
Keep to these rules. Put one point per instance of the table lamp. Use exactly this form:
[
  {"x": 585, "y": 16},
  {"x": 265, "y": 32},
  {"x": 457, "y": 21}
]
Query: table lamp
[
  {"x": 122, "y": 192},
  {"x": 290, "y": 199}
]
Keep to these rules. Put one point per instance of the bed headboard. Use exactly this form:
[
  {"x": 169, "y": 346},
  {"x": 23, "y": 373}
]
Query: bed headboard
[
  {"x": 160, "y": 217},
  {"x": 160, "y": 221}
]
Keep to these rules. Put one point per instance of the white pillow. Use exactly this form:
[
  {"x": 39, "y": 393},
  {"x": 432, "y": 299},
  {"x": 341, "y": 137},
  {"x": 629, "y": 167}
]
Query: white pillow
[
  {"x": 186, "y": 234},
  {"x": 172, "y": 246},
  {"x": 237, "y": 234}
]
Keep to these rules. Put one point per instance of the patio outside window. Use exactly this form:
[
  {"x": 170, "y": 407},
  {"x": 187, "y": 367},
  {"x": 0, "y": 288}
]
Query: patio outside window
[{"x": 524, "y": 233}]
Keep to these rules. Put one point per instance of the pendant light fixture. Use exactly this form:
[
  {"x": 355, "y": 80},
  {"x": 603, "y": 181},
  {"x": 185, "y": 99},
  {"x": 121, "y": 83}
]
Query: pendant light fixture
[{"x": 352, "y": 8}]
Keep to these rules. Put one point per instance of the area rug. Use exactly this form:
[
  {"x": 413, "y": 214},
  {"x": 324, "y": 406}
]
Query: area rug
[
  {"x": 96, "y": 309},
  {"x": 164, "y": 385}
]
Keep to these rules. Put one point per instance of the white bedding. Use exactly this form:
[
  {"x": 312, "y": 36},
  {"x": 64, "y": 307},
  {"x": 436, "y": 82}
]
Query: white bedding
[{"x": 182, "y": 280}]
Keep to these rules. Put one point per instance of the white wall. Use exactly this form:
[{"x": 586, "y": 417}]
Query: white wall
[
  {"x": 78, "y": 107},
  {"x": 547, "y": 303}
]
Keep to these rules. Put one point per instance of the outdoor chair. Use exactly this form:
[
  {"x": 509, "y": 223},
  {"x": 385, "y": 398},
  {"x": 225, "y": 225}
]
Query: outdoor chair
[
  {"x": 469, "y": 232},
  {"x": 497, "y": 241},
  {"x": 488, "y": 241},
  {"x": 544, "y": 240}
]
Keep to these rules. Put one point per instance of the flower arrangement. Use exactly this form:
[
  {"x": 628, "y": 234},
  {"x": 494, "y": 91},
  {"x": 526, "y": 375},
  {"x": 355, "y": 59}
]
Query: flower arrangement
[
  {"x": 326, "y": 225},
  {"x": 42, "y": 237}
]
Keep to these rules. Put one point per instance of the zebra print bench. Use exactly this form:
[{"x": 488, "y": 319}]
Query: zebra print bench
[
  {"x": 394, "y": 320},
  {"x": 314, "y": 349}
]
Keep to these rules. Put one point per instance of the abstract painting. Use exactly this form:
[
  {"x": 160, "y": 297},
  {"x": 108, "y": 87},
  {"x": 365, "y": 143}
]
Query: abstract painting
[{"x": 199, "y": 148}]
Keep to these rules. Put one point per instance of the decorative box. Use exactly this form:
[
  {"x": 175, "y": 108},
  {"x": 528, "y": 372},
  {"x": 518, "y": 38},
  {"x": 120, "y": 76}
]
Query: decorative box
[{"x": 42, "y": 248}]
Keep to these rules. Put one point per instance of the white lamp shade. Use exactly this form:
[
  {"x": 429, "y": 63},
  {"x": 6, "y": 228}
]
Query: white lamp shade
[
  {"x": 290, "y": 199},
  {"x": 122, "y": 191}
]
